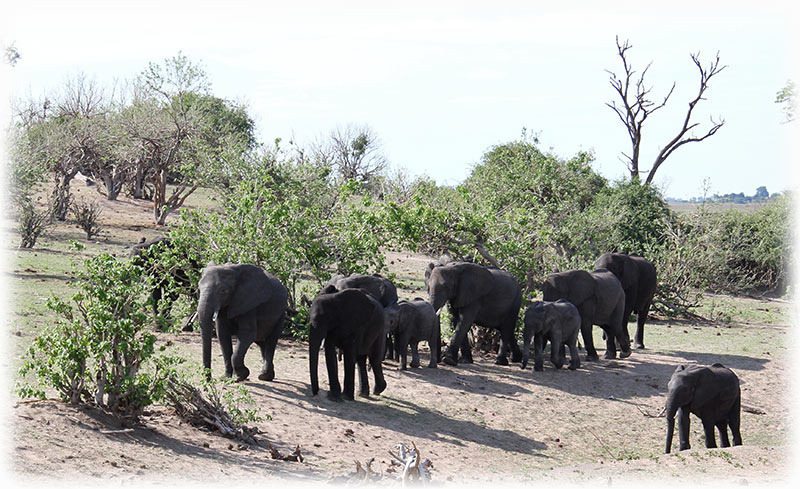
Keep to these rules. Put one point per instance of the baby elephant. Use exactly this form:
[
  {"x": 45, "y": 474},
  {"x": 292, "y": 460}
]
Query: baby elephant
[
  {"x": 558, "y": 322},
  {"x": 711, "y": 393},
  {"x": 416, "y": 321}
]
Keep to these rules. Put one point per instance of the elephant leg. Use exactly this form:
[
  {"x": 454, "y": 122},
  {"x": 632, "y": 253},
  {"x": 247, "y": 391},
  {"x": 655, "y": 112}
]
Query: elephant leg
[
  {"x": 245, "y": 338},
  {"x": 414, "y": 354},
  {"x": 556, "y": 348},
  {"x": 611, "y": 346},
  {"x": 722, "y": 429},
  {"x": 587, "y": 316},
  {"x": 350, "y": 359},
  {"x": 225, "y": 344},
  {"x": 363, "y": 378},
  {"x": 268, "y": 352},
  {"x": 538, "y": 347},
  {"x": 466, "y": 351},
  {"x": 465, "y": 318},
  {"x": 683, "y": 429},
  {"x": 734, "y": 419},
  {"x": 641, "y": 317},
  {"x": 390, "y": 346},
  {"x": 618, "y": 329},
  {"x": 526, "y": 348},
  {"x": 574, "y": 359},
  {"x": 432, "y": 346},
  {"x": 332, "y": 364},
  {"x": 708, "y": 429},
  {"x": 402, "y": 350},
  {"x": 508, "y": 342},
  {"x": 555, "y": 358},
  {"x": 377, "y": 369}
]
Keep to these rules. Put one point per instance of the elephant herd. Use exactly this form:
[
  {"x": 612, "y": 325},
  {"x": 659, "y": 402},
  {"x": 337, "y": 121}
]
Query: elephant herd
[{"x": 359, "y": 317}]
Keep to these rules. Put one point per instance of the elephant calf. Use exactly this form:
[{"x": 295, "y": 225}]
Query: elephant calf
[
  {"x": 711, "y": 393},
  {"x": 417, "y": 321},
  {"x": 558, "y": 322}
]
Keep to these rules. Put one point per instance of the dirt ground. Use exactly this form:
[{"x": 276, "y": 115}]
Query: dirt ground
[{"x": 477, "y": 423}]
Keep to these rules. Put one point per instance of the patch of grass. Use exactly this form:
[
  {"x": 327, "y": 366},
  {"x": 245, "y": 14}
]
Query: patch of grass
[
  {"x": 628, "y": 455},
  {"x": 737, "y": 310}
]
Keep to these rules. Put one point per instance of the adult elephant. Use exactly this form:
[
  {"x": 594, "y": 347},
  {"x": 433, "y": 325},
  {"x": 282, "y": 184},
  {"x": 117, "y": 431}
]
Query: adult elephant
[
  {"x": 600, "y": 300},
  {"x": 354, "y": 322},
  {"x": 247, "y": 302},
  {"x": 486, "y": 296},
  {"x": 380, "y": 288},
  {"x": 711, "y": 393},
  {"x": 639, "y": 281},
  {"x": 170, "y": 280}
]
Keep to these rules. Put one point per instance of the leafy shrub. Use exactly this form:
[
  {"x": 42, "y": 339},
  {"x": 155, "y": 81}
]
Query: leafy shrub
[
  {"x": 32, "y": 223},
  {"x": 86, "y": 215},
  {"x": 624, "y": 217},
  {"x": 99, "y": 350},
  {"x": 288, "y": 217}
]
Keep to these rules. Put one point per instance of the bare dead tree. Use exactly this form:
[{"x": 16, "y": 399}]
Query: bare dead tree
[
  {"x": 354, "y": 151},
  {"x": 636, "y": 105}
]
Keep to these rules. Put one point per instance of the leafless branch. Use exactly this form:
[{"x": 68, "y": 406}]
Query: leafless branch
[{"x": 633, "y": 105}]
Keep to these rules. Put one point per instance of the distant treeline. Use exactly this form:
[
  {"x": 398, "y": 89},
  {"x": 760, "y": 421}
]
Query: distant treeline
[{"x": 761, "y": 195}]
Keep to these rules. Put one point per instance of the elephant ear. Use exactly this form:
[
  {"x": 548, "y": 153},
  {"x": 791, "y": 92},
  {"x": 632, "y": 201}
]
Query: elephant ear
[
  {"x": 253, "y": 288},
  {"x": 705, "y": 386},
  {"x": 472, "y": 282},
  {"x": 551, "y": 317}
]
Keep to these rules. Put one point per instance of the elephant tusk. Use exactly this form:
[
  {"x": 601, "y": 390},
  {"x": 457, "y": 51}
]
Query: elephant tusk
[{"x": 214, "y": 317}]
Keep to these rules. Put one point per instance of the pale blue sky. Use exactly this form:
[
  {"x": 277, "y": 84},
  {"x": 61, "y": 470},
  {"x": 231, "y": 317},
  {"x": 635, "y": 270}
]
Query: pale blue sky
[{"x": 441, "y": 82}]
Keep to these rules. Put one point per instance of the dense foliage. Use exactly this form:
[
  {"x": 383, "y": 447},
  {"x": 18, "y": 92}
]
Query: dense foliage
[
  {"x": 287, "y": 215},
  {"x": 533, "y": 213},
  {"x": 99, "y": 350}
]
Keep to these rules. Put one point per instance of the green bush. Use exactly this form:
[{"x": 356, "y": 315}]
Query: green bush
[
  {"x": 99, "y": 351},
  {"x": 290, "y": 218}
]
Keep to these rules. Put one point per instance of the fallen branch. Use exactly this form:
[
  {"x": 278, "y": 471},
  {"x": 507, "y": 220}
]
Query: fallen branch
[
  {"x": 191, "y": 405},
  {"x": 752, "y": 410},
  {"x": 295, "y": 456},
  {"x": 413, "y": 469}
]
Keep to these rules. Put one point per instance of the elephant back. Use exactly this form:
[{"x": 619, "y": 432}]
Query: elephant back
[
  {"x": 575, "y": 286},
  {"x": 380, "y": 288}
]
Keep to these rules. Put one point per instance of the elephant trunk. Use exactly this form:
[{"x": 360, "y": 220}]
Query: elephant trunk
[
  {"x": 438, "y": 301},
  {"x": 206, "y": 312},
  {"x": 671, "y": 409},
  {"x": 314, "y": 342}
]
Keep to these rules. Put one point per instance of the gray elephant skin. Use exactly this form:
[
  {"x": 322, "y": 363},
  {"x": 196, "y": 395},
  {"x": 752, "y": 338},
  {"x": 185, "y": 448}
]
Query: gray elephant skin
[
  {"x": 600, "y": 300},
  {"x": 380, "y": 288},
  {"x": 639, "y": 281},
  {"x": 711, "y": 393},
  {"x": 558, "y": 322},
  {"x": 486, "y": 296},
  {"x": 353, "y": 321},
  {"x": 247, "y": 302},
  {"x": 417, "y": 321}
]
